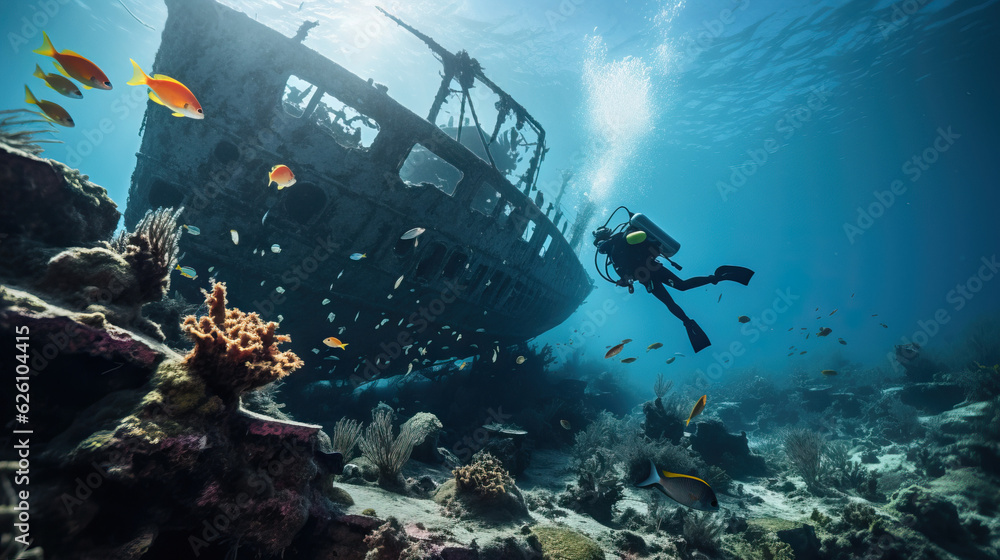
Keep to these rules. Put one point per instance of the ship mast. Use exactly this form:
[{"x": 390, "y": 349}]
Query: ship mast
[{"x": 467, "y": 70}]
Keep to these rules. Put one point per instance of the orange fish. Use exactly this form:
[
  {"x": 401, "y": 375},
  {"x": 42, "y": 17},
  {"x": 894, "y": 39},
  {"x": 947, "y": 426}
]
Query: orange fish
[
  {"x": 698, "y": 407},
  {"x": 72, "y": 65},
  {"x": 168, "y": 92},
  {"x": 334, "y": 342},
  {"x": 52, "y": 112},
  {"x": 281, "y": 175}
]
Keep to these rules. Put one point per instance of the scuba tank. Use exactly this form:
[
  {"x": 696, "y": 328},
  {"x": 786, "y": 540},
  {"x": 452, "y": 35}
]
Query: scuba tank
[{"x": 667, "y": 245}]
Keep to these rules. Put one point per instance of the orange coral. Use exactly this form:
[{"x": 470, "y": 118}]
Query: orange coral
[{"x": 236, "y": 351}]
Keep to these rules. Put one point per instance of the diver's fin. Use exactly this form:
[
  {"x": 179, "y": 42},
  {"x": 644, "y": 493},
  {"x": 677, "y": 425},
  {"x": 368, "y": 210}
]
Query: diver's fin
[
  {"x": 46, "y": 49},
  {"x": 155, "y": 98},
  {"x": 734, "y": 274},
  {"x": 699, "y": 340},
  {"x": 653, "y": 478}
]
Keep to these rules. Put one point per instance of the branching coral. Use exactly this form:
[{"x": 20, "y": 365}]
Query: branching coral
[
  {"x": 485, "y": 477},
  {"x": 662, "y": 386},
  {"x": 805, "y": 451},
  {"x": 151, "y": 250},
  {"x": 702, "y": 531},
  {"x": 388, "y": 452},
  {"x": 24, "y": 140},
  {"x": 236, "y": 351},
  {"x": 598, "y": 487}
]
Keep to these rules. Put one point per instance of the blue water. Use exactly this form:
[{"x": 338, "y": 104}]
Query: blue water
[{"x": 762, "y": 134}]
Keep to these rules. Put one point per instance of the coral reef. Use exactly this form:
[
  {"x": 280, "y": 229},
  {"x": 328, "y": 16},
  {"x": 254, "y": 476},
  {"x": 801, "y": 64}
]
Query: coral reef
[
  {"x": 703, "y": 530},
  {"x": 13, "y": 136},
  {"x": 482, "y": 489},
  {"x": 729, "y": 452},
  {"x": 804, "y": 449},
  {"x": 235, "y": 351}
]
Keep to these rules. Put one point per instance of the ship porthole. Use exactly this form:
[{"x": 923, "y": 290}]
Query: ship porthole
[
  {"x": 226, "y": 152},
  {"x": 163, "y": 194},
  {"x": 304, "y": 202}
]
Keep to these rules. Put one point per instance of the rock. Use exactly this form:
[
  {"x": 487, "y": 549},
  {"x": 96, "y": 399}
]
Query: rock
[
  {"x": 560, "y": 543},
  {"x": 428, "y": 427},
  {"x": 817, "y": 399},
  {"x": 46, "y": 201},
  {"x": 917, "y": 367},
  {"x": 932, "y": 515},
  {"x": 730, "y": 452},
  {"x": 508, "y": 453},
  {"x": 803, "y": 541},
  {"x": 932, "y": 398}
]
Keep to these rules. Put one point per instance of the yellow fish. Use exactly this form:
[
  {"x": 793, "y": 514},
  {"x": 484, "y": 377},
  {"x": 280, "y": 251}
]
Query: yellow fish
[
  {"x": 334, "y": 342},
  {"x": 168, "y": 92},
  {"x": 187, "y": 271},
  {"x": 73, "y": 65},
  {"x": 461, "y": 366},
  {"x": 59, "y": 83},
  {"x": 698, "y": 407},
  {"x": 51, "y": 111}
]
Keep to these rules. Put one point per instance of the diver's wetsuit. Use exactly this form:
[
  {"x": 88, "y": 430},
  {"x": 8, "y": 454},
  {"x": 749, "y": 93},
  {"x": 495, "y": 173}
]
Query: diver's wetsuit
[{"x": 638, "y": 262}]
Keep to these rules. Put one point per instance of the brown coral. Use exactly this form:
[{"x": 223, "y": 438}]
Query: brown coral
[
  {"x": 484, "y": 477},
  {"x": 151, "y": 250},
  {"x": 236, "y": 351}
]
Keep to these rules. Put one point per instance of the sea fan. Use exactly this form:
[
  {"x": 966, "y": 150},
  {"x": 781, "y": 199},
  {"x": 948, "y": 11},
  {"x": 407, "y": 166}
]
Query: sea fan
[
  {"x": 24, "y": 140},
  {"x": 151, "y": 250},
  {"x": 387, "y": 452}
]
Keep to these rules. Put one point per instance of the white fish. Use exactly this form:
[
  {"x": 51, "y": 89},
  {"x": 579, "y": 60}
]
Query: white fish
[
  {"x": 280, "y": 290},
  {"x": 326, "y": 301},
  {"x": 423, "y": 351},
  {"x": 338, "y": 278},
  {"x": 275, "y": 248},
  {"x": 281, "y": 318},
  {"x": 398, "y": 282},
  {"x": 341, "y": 330},
  {"x": 330, "y": 317},
  {"x": 413, "y": 233},
  {"x": 384, "y": 321},
  {"x": 262, "y": 282},
  {"x": 211, "y": 268},
  {"x": 235, "y": 235},
  {"x": 254, "y": 251},
  {"x": 495, "y": 355},
  {"x": 400, "y": 323},
  {"x": 356, "y": 316},
  {"x": 409, "y": 368},
  {"x": 446, "y": 327},
  {"x": 480, "y": 330},
  {"x": 459, "y": 338},
  {"x": 265, "y": 216},
  {"x": 315, "y": 350},
  {"x": 678, "y": 354}
]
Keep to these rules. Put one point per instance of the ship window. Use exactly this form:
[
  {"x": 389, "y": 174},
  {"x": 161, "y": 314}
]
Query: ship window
[
  {"x": 304, "y": 202},
  {"x": 529, "y": 231},
  {"x": 455, "y": 263},
  {"x": 404, "y": 246},
  {"x": 477, "y": 278},
  {"x": 226, "y": 152},
  {"x": 348, "y": 127},
  {"x": 165, "y": 195},
  {"x": 298, "y": 94},
  {"x": 423, "y": 166},
  {"x": 504, "y": 216},
  {"x": 545, "y": 246},
  {"x": 486, "y": 199},
  {"x": 431, "y": 262}
]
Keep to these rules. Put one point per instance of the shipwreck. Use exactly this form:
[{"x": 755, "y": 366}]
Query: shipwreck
[{"x": 491, "y": 268}]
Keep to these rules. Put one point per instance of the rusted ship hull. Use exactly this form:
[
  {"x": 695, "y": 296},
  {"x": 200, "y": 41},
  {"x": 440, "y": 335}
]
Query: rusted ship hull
[{"x": 471, "y": 270}]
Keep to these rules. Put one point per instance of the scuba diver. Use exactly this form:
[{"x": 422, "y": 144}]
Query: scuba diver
[{"x": 632, "y": 249}]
